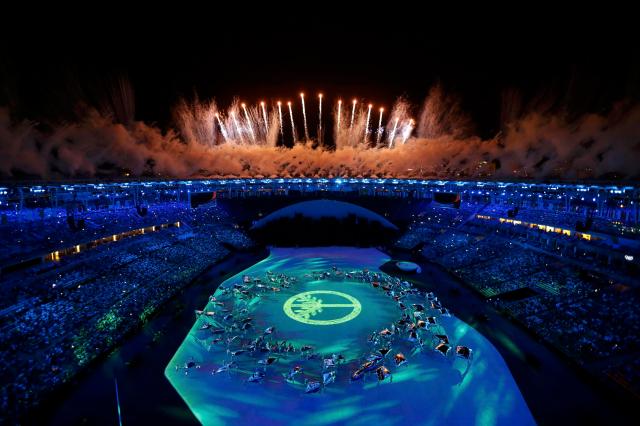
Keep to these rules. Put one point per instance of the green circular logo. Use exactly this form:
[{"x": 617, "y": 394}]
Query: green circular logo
[{"x": 304, "y": 305}]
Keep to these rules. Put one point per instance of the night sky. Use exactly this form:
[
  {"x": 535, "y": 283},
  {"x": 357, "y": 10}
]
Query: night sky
[{"x": 53, "y": 67}]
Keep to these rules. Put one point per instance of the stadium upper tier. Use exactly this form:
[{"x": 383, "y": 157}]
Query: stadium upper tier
[{"x": 599, "y": 199}]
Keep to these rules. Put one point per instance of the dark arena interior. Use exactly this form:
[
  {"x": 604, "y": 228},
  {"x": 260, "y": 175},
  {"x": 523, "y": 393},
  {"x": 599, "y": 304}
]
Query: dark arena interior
[{"x": 315, "y": 224}]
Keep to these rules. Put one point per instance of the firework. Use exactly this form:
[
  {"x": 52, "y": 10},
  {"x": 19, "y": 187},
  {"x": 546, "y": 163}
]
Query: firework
[
  {"x": 280, "y": 115},
  {"x": 235, "y": 122},
  {"x": 393, "y": 132},
  {"x": 256, "y": 125},
  {"x": 320, "y": 117},
  {"x": 353, "y": 114},
  {"x": 366, "y": 128},
  {"x": 293, "y": 126},
  {"x": 379, "y": 127},
  {"x": 304, "y": 118},
  {"x": 264, "y": 116},
  {"x": 222, "y": 129},
  {"x": 406, "y": 132},
  {"x": 246, "y": 114}
]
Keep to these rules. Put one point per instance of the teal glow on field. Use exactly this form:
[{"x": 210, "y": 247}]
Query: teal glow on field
[{"x": 336, "y": 317}]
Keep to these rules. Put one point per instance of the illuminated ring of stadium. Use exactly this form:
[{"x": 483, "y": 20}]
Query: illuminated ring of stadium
[{"x": 305, "y": 300}]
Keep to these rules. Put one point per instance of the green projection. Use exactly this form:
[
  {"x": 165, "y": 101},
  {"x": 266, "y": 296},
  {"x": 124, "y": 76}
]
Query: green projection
[{"x": 304, "y": 305}]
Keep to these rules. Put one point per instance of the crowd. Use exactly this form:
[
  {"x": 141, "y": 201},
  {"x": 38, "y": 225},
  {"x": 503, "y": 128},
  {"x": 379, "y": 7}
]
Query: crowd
[
  {"x": 496, "y": 277},
  {"x": 578, "y": 221},
  {"x": 28, "y": 235},
  {"x": 608, "y": 254},
  {"x": 603, "y": 324},
  {"x": 547, "y": 282},
  {"x": 429, "y": 224},
  {"x": 627, "y": 374},
  {"x": 58, "y": 316}
]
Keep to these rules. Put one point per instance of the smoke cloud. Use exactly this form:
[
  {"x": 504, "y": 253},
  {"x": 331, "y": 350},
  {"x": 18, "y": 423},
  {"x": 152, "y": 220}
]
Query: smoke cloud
[{"x": 210, "y": 142}]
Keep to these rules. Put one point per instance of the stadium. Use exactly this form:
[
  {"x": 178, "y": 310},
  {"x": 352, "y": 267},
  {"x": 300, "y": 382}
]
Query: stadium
[
  {"x": 311, "y": 223},
  {"x": 525, "y": 275}
]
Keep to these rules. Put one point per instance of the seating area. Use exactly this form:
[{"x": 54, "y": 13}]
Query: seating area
[
  {"x": 627, "y": 374},
  {"x": 492, "y": 278},
  {"x": 476, "y": 249},
  {"x": 50, "y": 230},
  {"x": 562, "y": 219},
  {"x": 564, "y": 290},
  {"x": 610, "y": 255},
  {"x": 59, "y": 316},
  {"x": 433, "y": 221},
  {"x": 602, "y": 325}
]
